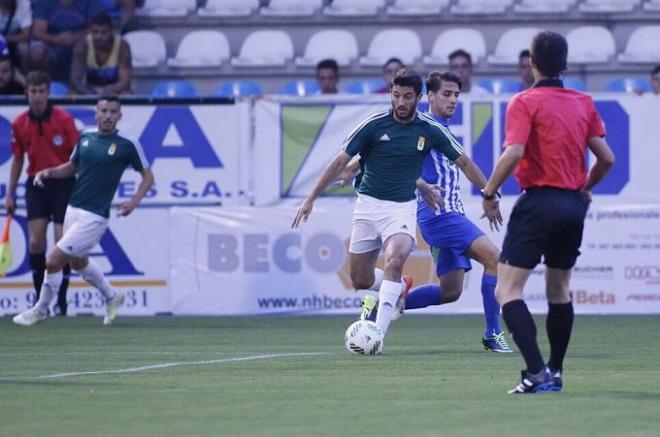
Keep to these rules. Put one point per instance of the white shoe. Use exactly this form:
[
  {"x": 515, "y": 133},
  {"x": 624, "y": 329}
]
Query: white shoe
[
  {"x": 29, "y": 317},
  {"x": 112, "y": 306}
]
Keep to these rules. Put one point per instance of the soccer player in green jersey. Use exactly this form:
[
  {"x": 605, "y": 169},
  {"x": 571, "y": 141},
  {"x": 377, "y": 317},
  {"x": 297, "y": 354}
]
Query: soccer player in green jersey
[
  {"x": 392, "y": 145},
  {"x": 98, "y": 161}
]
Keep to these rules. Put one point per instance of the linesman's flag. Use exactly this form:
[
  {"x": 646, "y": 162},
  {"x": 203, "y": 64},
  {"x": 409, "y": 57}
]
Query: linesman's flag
[{"x": 5, "y": 248}]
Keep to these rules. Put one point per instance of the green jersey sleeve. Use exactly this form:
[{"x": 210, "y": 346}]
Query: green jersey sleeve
[
  {"x": 361, "y": 136},
  {"x": 442, "y": 139},
  {"x": 137, "y": 158}
]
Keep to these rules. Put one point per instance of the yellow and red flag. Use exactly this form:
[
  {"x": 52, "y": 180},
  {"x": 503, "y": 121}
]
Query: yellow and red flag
[{"x": 5, "y": 248}]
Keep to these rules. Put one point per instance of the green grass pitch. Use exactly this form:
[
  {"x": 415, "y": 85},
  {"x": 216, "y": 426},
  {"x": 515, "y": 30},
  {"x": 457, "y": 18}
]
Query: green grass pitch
[{"x": 239, "y": 376}]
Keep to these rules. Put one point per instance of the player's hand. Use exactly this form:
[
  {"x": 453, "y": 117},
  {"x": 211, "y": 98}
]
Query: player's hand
[
  {"x": 303, "y": 213},
  {"x": 10, "y": 204},
  {"x": 432, "y": 195},
  {"x": 126, "y": 208},
  {"x": 492, "y": 213},
  {"x": 345, "y": 177},
  {"x": 40, "y": 176}
]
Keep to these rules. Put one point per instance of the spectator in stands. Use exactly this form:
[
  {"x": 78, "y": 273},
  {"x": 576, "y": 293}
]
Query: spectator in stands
[
  {"x": 58, "y": 26},
  {"x": 102, "y": 61},
  {"x": 525, "y": 70},
  {"x": 16, "y": 25},
  {"x": 460, "y": 62},
  {"x": 655, "y": 80},
  {"x": 123, "y": 10},
  {"x": 327, "y": 76},
  {"x": 390, "y": 68},
  {"x": 8, "y": 83}
]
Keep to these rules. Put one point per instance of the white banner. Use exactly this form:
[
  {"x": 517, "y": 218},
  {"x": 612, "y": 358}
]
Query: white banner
[
  {"x": 199, "y": 153},
  {"x": 133, "y": 254}
]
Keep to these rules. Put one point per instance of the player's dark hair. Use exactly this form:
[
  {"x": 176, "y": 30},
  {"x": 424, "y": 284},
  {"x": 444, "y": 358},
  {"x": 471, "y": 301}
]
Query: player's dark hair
[
  {"x": 327, "y": 63},
  {"x": 392, "y": 60},
  {"x": 656, "y": 70},
  {"x": 37, "y": 77},
  {"x": 523, "y": 54},
  {"x": 408, "y": 77},
  {"x": 435, "y": 78},
  {"x": 549, "y": 51},
  {"x": 109, "y": 98},
  {"x": 460, "y": 52},
  {"x": 101, "y": 19}
]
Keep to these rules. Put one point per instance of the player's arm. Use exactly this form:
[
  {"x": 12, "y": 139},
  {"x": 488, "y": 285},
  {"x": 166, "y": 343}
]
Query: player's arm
[
  {"x": 349, "y": 172},
  {"x": 328, "y": 176},
  {"x": 145, "y": 184},
  {"x": 431, "y": 193},
  {"x": 471, "y": 171},
  {"x": 604, "y": 162},
  {"x": 62, "y": 171}
]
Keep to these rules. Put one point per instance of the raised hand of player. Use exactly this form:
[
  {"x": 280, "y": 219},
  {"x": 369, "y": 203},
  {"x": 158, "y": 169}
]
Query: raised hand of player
[
  {"x": 303, "y": 213},
  {"x": 126, "y": 208},
  {"x": 432, "y": 194},
  {"x": 492, "y": 213}
]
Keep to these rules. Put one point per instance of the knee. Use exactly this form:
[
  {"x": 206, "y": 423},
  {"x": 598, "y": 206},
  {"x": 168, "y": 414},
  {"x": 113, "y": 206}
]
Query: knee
[
  {"x": 451, "y": 294},
  {"x": 76, "y": 264},
  {"x": 361, "y": 282},
  {"x": 36, "y": 245},
  {"x": 394, "y": 263}
]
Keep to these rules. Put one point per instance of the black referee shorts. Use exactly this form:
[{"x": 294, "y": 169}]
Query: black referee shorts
[
  {"x": 545, "y": 222},
  {"x": 49, "y": 201}
]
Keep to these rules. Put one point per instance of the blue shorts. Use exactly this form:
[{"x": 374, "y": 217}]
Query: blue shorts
[{"x": 450, "y": 235}]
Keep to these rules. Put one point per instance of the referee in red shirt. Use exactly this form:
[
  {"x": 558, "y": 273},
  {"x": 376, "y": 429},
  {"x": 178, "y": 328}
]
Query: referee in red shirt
[
  {"x": 548, "y": 129},
  {"x": 48, "y": 135}
]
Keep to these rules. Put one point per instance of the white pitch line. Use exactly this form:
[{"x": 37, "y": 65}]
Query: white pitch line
[{"x": 175, "y": 364}]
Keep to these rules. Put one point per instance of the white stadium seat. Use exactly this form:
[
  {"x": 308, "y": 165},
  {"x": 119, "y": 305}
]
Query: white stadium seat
[
  {"x": 354, "y": 7},
  {"x": 201, "y": 48},
  {"x": 167, "y": 8},
  {"x": 265, "y": 48},
  {"x": 228, "y": 8},
  {"x": 643, "y": 46},
  {"x": 398, "y": 43},
  {"x": 651, "y": 5},
  {"x": 147, "y": 48},
  {"x": 511, "y": 43},
  {"x": 608, "y": 6},
  {"x": 291, "y": 8},
  {"x": 338, "y": 44},
  {"x": 544, "y": 6},
  {"x": 474, "y": 7},
  {"x": 468, "y": 39},
  {"x": 590, "y": 44},
  {"x": 417, "y": 7}
]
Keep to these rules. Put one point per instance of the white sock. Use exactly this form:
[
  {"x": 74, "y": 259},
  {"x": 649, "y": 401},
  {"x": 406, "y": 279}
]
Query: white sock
[
  {"x": 379, "y": 274},
  {"x": 93, "y": 274},
  {"x": 49, "y": 288},
  {"x": 388, "y": 294}
]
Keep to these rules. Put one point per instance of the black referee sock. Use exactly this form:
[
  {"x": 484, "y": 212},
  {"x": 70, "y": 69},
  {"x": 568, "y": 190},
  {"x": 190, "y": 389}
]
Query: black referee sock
[
  {"x": 523, "y": 330},
  {"x": 559, "y": 325},
  {"x": 38, "y": 266}
]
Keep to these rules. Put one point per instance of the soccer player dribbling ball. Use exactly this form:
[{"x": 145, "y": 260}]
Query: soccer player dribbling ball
[
  {"x": 547, "y": 129},
  {"x": 99, "y": 160}
]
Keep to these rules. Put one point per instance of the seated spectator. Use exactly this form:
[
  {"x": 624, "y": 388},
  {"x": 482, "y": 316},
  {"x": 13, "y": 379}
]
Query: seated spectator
[
  {"x": 525, "y": 70},
  {"x": 460, "y": 62},
  {"x": 390, "y": 67},
  {"x": 16, "y": 25},
  {"x": 327, "y": 76},
  {"x": 57, "y": 27},
  {"x": 8, "y": 84},
  {"x": 655, "y": 80},
  {"x": 102, "y": 61}
]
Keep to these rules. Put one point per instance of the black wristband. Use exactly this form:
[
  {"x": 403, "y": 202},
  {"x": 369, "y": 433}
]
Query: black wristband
[{"x": 489, "y": 196}]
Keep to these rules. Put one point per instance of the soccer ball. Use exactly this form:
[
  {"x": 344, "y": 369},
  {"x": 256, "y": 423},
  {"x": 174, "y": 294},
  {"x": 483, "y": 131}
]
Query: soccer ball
[{"x": 364, "y": 338}]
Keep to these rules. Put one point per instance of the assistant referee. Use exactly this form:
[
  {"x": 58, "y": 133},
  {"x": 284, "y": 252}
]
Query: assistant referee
[{"x": 548, "y": 129}]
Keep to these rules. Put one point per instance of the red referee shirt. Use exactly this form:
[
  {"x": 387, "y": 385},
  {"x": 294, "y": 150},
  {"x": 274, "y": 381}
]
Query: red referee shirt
[
  {"x": 48, "y": 140},
  {"x": 554, "y": 125}
]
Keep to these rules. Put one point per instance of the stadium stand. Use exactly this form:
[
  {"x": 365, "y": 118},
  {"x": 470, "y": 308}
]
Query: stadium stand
[
  {"x": 393, "y": 43},
  {"x": 643, "y": 46},
  {"x": 416, "y": 7},
  {"x": 147, "y": 48},
  {"x": 628, "y": 85},
  {"x": 174, "y": 88},
  {"x": 291, "y": 8},
  {"x": 201, "y": 48},
  {"x": 58, "y": 89},
  {"x": 590, "y": 44},
  {"x": 354, "y": 8},
  {"x": 265, "y": 48},
  {"x": 364, "y": 86},
  {"x": 228, "y": 8},
  {"x": 479, "y": 7},
  {"x": 574, "y": 83},
  {"x": 510, "y": 44},
  {"x": 240, "y": 88},
  {"x": 608, "y": 6},
  {"x": 468, "y": 39},
  {"x": 501, "y": 85},
  {"x": 338, "y": 44},
  {"x": 306, "y": 87},
  {"x": 652, "y": 5},
  {"x": 544, "y": 6},
  {"x": 167, "y": 8}
]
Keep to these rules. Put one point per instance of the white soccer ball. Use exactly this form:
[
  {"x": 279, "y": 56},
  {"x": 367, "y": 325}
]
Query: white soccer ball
[{"x": 364, "y": 338}]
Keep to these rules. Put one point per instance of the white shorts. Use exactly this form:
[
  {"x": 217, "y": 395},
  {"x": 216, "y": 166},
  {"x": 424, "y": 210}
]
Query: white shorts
[
  {"x": 375, "y": 220},
  {"x": 81, "y": 232}
]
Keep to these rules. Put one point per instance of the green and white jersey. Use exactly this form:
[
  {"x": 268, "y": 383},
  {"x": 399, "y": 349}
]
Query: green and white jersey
[
  {"x": 100, "y": 161},
  {"x": 392, "y": 153}
]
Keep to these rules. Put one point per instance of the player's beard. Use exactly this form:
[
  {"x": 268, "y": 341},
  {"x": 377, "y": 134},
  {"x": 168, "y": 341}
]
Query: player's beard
[{"x": 404, "y": 116}]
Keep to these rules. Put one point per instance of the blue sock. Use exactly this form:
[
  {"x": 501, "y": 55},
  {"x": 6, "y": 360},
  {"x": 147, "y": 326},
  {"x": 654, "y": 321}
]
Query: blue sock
[
  {"x": 423, "y": 296},
  {"x": 491, "y": 307}
]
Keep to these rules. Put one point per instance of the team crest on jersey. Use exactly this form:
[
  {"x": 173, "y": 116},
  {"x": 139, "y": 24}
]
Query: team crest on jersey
[
  {"x": 58, "y": 140},
  {"x": 420, "y": 143},
  {"x": 112, "y": 148}
]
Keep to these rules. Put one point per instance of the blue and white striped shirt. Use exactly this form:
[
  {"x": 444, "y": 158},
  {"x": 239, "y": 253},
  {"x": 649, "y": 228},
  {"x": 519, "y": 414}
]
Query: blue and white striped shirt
[{"x": 439, "y": 170}]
